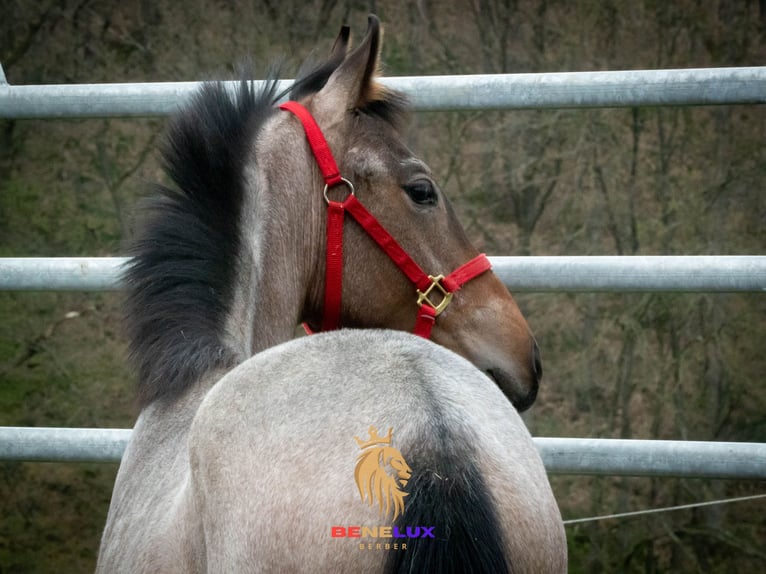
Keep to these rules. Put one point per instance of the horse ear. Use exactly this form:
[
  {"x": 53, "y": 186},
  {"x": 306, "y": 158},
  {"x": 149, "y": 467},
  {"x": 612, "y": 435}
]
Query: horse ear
[
  {"x": 340, "y": 47},
  {"x": 351, "y": 85}
]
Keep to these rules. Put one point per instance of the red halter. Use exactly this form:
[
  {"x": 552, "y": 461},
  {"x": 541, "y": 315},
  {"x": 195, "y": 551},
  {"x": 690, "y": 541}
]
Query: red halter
[{"x": 425, "y": 285}]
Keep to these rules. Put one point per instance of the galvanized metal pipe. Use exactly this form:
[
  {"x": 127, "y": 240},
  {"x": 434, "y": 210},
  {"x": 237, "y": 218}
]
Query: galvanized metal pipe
[
  {"x": 63, "y": 444},
  {"x": 560, "y": 455},
  {"x": 60, "y": 273},
  {"x": 700, "y": 273},
  {"x": 691, "y": 459},
  {"x": 694, "y": 86},
  {"x": 713, "y": 273}
]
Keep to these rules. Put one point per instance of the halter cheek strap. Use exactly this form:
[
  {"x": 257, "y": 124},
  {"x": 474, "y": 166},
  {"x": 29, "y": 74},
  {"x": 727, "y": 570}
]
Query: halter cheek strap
[{"x": 427, "y": 286}]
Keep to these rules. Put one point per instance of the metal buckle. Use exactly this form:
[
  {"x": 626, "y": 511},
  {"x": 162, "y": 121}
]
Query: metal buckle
[
  {"x": 446, "y": 295},
  {"x": 342, "y": 180}
]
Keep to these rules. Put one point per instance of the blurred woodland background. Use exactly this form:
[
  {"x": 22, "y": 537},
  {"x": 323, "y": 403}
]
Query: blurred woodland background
[{"x": 659, "y": 181}]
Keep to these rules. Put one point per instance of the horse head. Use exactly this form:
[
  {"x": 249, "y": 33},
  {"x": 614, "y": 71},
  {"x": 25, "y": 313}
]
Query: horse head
[
  {"x": 362, "y": 122},
  {"x": 233, "y": 255}
]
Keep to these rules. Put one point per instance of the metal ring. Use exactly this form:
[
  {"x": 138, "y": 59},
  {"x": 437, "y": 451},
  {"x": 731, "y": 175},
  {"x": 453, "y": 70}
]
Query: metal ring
[{"x": 342, "y": 180}]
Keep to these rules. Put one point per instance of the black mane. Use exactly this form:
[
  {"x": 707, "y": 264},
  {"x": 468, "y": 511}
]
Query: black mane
[{"x": 180, "y": 280}]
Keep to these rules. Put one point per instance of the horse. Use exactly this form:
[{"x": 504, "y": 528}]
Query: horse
[{"x": 243, "y": 456}]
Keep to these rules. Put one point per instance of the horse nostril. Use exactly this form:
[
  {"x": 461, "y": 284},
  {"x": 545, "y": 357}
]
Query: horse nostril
[{"x": 537, "y": 364}]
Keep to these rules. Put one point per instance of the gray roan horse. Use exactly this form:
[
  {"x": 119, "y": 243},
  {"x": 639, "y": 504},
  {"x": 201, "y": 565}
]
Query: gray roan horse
[{"x": 347, "y": 451}]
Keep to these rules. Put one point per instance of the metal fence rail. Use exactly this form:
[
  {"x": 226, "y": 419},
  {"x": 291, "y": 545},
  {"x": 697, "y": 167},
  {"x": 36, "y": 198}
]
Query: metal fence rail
[
  {"x": 692, "y": 86},
  {"x": 690, "y": 459},
  {"x": 441, "y": 93},
  {"x": 560, "y": 455},
  {"x": 713, "y": 273},
  {"x": 48, "y": 444}
]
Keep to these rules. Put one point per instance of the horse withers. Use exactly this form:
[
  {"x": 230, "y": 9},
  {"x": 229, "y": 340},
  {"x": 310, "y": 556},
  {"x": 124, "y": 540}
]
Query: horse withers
[{"x": 243, "y": 456}]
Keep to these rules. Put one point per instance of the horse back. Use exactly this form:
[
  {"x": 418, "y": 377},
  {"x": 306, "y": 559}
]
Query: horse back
[{"x": 274, "y": 445}]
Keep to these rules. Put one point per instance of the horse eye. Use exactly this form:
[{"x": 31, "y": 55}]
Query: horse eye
[{"x": 421, "y": 192}]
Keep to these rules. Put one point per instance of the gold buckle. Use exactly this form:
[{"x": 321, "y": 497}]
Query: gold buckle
[{"x": 446, "y": 295}]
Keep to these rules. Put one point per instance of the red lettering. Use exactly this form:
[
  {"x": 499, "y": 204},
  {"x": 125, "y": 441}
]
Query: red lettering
[
  {"x": 338, "y": 532},
  {"x": 354, "y": 531}
]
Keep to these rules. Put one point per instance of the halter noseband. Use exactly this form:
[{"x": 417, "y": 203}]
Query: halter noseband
[{"x": 426, "y": 285}]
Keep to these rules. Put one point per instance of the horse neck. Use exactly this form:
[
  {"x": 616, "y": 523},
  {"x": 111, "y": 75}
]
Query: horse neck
[
  {"x": 280, "y": 258},
  {"x": 275, "y": 268}
]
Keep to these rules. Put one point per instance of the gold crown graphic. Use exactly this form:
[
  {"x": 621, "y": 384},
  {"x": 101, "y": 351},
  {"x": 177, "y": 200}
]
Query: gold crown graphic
[{"x": 374, "y": 438}]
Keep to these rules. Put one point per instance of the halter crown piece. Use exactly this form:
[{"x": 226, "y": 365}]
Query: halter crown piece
[{"x": 426, "y": 285}]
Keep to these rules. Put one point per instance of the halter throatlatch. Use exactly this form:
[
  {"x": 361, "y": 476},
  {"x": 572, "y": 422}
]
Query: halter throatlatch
[{"x": 428, "y": 287}]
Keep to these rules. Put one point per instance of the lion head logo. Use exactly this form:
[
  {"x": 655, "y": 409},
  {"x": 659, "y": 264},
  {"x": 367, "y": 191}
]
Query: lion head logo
[{"x": 373, "y": 477}]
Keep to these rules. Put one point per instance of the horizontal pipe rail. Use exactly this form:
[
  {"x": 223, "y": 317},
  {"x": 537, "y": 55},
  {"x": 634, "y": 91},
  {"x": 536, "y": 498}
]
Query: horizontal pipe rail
[
  {"x": 694, "y": 86},
  {"x": 702, "y": 273},
  {"x": 637, "y": 273},
  {"x": 61, "y": 273},
  {"x": 669, "y": 458},
  {"x": 560, "y": 455},
  {"x": 48, "y": 444}
]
